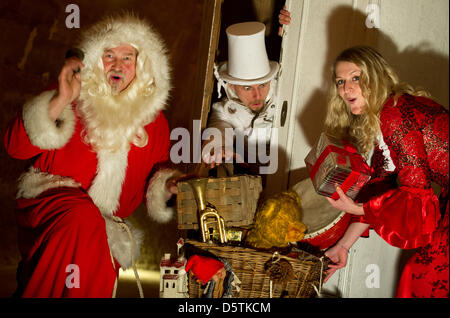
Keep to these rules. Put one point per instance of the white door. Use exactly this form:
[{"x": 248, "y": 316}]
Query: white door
[
  {"x": 372, "y": 271},
  {"x": 412, "y": 35}
]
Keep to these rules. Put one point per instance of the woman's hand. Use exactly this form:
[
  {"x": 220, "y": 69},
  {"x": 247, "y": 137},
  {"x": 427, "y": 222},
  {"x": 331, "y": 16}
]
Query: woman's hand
[
  {"x": 345, "y": 203},
  {"x": 338, "y": 254}
]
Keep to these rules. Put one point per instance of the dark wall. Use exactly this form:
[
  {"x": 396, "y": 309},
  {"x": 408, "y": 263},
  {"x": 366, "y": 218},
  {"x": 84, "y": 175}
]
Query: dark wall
[{"x": 34, "y": 40}]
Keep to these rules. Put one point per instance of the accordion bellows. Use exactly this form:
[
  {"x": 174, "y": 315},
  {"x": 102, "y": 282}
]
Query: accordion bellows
[{"x": 334, "y": 162}]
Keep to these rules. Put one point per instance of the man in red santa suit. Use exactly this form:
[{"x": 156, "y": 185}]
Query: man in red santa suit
[{"x": 96, "y": 141}]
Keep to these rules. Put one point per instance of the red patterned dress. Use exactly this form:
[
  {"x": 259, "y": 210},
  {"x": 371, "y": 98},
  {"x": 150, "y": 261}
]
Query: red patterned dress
[{"x": 409, "y": 215}]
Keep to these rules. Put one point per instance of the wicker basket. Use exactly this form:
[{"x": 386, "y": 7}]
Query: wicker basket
[
  {"x": 248, "y": 265},
  {"x": 236, "y": 199}
]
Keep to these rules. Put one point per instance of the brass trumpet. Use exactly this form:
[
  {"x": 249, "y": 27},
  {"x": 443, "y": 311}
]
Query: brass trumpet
[{"x": 208, "y": 214}]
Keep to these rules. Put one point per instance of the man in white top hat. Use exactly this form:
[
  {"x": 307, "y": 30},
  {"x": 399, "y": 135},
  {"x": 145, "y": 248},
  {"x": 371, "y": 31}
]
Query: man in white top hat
[{"x": 249, "y": 80}]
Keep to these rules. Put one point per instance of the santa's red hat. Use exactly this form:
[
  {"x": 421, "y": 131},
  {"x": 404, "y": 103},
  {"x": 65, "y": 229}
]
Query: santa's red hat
[{"x": 203, "y": 267}]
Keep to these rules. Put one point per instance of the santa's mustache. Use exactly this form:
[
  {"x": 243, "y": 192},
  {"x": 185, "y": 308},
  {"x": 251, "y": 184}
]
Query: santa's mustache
[{"x": 116, "y": 75}]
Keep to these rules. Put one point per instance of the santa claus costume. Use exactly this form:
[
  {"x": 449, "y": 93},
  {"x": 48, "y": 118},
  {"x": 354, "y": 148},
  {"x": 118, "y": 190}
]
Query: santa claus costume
[{"x": 94, "y": 163}]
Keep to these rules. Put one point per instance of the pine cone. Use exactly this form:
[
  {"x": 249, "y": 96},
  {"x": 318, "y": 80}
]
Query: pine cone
[{"x": 280, "y": 271}]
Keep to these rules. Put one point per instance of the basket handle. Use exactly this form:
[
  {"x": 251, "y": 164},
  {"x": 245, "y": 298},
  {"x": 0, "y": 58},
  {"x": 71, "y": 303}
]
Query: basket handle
[
  {"x": 223, "y": 170},
  {"x": 275, "y": 257}
]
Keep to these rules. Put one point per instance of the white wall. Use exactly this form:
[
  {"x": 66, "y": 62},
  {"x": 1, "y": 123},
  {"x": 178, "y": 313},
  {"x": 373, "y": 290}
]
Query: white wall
[
  {"x": 420, "y": 47},
  {"x": 413, "y": 36}
]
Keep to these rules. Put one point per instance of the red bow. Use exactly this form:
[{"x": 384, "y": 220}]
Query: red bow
[{"x": 357, "y": 163}]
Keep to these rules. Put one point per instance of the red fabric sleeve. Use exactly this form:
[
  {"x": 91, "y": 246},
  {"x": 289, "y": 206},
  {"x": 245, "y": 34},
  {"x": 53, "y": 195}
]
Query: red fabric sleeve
[
  {"x": 407, "y": 216},
  {"x": 164, "y": 138},
  {"x": 404, "y": 217},
  {"x": 361, "y": 219},
  {"x": 16, "y": 141},
  {"x": 376, "y": 186}
]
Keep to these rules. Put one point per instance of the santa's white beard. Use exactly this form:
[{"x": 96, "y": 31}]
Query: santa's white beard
[{"x": 114, "y": 120}]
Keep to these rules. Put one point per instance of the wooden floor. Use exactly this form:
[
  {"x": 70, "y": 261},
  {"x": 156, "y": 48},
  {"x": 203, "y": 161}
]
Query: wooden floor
[
  {"x": 8, "y": 281},
  {"x": 127, "y": 287}
]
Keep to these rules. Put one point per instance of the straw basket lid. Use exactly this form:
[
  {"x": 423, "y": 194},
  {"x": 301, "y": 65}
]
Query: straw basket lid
[{"x": 248, "y": 63}]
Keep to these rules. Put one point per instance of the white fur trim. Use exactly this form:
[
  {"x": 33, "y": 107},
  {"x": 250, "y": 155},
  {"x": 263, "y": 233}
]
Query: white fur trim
[
  {"x": 41, "y": 129},
  {"x": 389, "y": 164},
  {"x": 156, "y": 196},
  {"x": 119, "y": 241},
  {"x": 106, "y": 188},
  {"x": 105, "y": 191},
  {"x": 33, "y": 182}
]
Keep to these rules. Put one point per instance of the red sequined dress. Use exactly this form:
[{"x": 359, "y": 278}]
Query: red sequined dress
[{"x": 404, "y": 211}]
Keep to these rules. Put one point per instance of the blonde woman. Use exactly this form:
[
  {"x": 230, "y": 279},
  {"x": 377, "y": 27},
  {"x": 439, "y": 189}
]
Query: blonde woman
[{"x": 406, "y": 136}]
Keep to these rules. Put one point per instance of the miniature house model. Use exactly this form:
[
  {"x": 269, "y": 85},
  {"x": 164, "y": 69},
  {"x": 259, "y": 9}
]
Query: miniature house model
[{"x": 173, "y": 278}]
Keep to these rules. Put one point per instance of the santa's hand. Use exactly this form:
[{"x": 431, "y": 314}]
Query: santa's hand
[
  {"x": 69, "y": 86},
  {"x": 69, "y": 80},
  {"x": 171, "y": 185},
  {"x": 345, "y": 203}
]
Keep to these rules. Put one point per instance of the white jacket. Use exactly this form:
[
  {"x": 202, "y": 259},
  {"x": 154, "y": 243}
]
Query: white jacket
[{"x": 230, "y": 114}]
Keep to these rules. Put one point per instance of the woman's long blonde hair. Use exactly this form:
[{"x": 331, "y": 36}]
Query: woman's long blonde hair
[{"x": 378, "y": 82}]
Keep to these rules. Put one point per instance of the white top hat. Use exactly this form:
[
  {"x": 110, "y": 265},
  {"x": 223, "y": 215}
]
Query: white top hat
[{"x": 248, "y": 63}]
